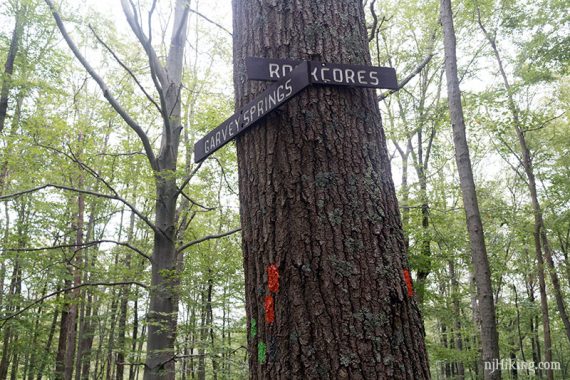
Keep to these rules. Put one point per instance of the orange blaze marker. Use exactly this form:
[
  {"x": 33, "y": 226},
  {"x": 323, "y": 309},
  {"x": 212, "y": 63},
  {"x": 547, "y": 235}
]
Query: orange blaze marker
[
  {"x": 269, "y": 309},
  {"x": 273, "y": 278},
  {"x": 408, "y": 279}
]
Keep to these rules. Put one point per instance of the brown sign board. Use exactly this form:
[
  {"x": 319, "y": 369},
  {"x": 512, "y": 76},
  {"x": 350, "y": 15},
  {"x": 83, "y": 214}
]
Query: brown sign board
[
  {"x": 276, "y": 95},
  {"x": 324, "y": 73}
]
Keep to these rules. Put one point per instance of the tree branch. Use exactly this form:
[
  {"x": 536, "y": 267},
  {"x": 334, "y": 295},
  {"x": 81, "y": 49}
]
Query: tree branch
[
  {"x": 544, "y": 124},
  {"x": 129, "y": 71},
  {"x": 189, "y": 178},
  {"x": 106, "y": 93},
  {"x": 88, "y": 192},
  {"x": 205, "y": 238},
  {"x": 210, "y": 21},
  {"x": 157, "y": 72},
  {"x": 84, "y": 245},
  {"x": 405, "y": 81},
  {"x": 40, "y": 300}
]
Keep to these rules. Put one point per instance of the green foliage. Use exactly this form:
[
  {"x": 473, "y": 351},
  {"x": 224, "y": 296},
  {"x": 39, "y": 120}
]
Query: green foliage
[{"x": 64, "y": 132}]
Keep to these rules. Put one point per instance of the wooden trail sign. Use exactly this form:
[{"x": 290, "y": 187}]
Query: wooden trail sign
[
  {"x": 292, "y": 76},
  {"x": 278, "y": 94},
  {"x": 324, "y": 73}
]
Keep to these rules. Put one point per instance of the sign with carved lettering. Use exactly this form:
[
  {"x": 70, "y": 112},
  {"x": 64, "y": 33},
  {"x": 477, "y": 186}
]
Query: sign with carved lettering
[
  {"x": 291, "y": 76},
  {"x": 324, "y": 73},
  {"x": 276, "y": 95}
]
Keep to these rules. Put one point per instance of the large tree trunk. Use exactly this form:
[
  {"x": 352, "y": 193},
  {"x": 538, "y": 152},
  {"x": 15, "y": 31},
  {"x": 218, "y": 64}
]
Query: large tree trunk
[
  {"x": 489, "y": 335},
  {"x": 167, "y": 78},
  {"x": 318, "y": 206},
  {"x": 163, "y": 309}
]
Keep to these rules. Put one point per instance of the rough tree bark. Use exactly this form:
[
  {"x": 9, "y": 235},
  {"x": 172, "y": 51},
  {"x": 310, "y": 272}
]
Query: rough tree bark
[
  {"x": 489, "y": 334},
  {"x": 318, "y": 207}
]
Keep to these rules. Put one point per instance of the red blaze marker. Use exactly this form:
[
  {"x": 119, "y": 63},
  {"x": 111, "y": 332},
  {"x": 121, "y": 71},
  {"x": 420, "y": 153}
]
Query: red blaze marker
[
  {"x": 269, "y": 310},
  {"x": 273, "y": 278},
  {"x": 408, "y": 279}
]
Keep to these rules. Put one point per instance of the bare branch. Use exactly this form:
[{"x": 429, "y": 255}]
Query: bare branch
[
  {"x": 405, "y": 81},
  {"x": 40, "y": 300},
  {"x": 205, "y": 208},
  {"x": 84, "y": 245},
  {"x": 88, "y": 192},
  {"x": 129, "y": 71},
  {"x": 224, "y": 175},
  {"x": 210, "y": 21},
  {"x": 375, "y": 24},
  {"x": 98, "y": 177},
  {"x": 106, "y": 93},
  {"x": 206, "y": 238},
  {"x": 545, "y": 123},
  {"x": 189, "y": 178},
  {"x": 152, "y": 8},
  {"x": 157, "y": 71}
]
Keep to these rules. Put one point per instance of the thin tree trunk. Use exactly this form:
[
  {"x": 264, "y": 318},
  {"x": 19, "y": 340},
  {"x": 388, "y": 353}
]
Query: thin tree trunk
[
  {"x": 10, "y": 349},
  {"x": 543, "y": 302},
  {"x": 318, "y": 208},
  {"x": 455, "y": 299},
  {"x": 194, "y": 321},
  {"x": 201, "y": 372},
  {"x": 9, "y": 65},
  {"x": 446, "y": 334},
  {"x": 110, "y": 347},
  {"x": 210, "y": 326},
  {"x": 519, "y": 333},
  {"x": 133, "y": 368},
  {"x": 10, "y": 336},
  {"x": 47, "y": 349},
  {"x": 123, "y": 308},
  {"x": 564, "y": 248},
  {"x": 77, "y": 278},
  {"x": 32, "y": 355},
  {"x": 15, "y": 365},
  {"x": 489, "y": 334},
  {"x": 83, "y": 363},
  {"x": 139, "y": 349},
  {"x": 421, "y": 165},
  {"x": 513, "y": 355},
  {"x": 533, "y": 324},
  {"x": 4, "y": 171},
  {"x": 477, "y": 323},
  {"x": 540, "y": 229}
]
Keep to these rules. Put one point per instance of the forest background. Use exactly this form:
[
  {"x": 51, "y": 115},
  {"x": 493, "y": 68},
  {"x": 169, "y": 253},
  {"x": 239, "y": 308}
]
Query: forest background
[{"x": 59, "y": 135}]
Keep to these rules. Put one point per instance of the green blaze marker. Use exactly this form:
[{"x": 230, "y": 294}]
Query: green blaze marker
[
  {"x": 261, "y": 352},
  {"x": 253, "y": 328}
]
